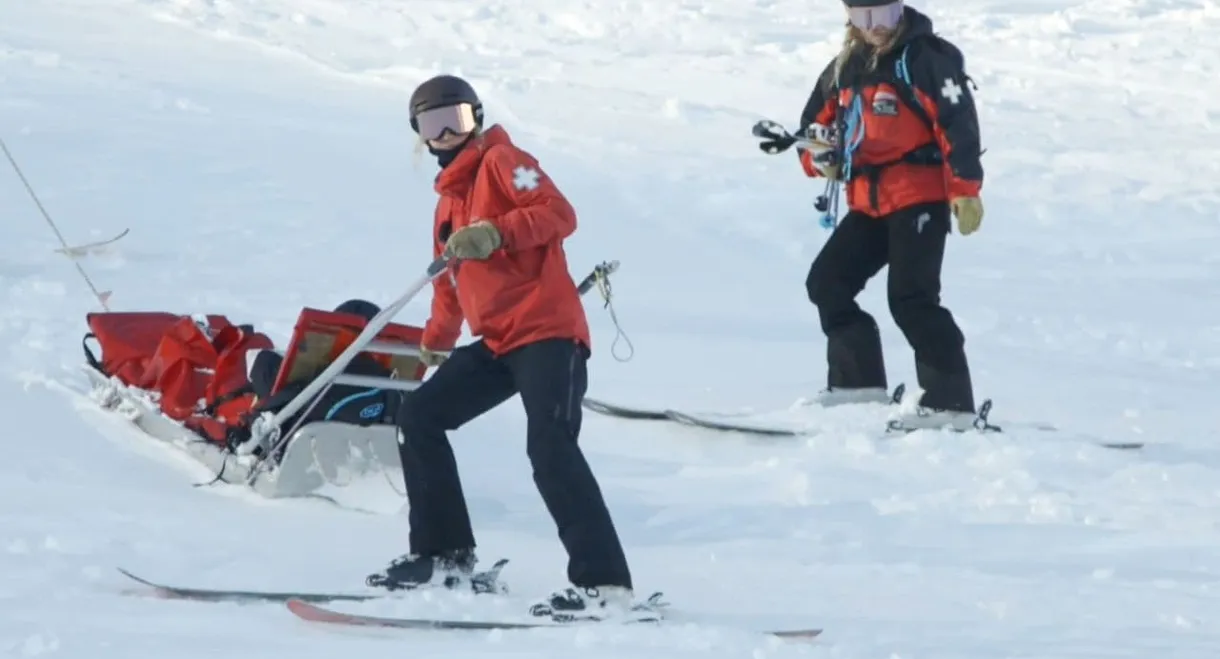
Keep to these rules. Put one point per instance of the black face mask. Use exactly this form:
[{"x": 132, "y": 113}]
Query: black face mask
[{"x": 446, "y": 156}]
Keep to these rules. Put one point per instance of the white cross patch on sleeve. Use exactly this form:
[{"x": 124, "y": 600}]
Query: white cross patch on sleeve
[
  {"x": 525, "y": 178},
  {"x": 951, "y": 91}
]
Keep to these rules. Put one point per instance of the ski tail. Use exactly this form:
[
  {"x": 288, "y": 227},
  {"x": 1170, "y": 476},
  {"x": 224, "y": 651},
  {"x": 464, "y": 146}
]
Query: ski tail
[
  {"x": 324, "y": 615},
  {"x": 166, "y": 591}
]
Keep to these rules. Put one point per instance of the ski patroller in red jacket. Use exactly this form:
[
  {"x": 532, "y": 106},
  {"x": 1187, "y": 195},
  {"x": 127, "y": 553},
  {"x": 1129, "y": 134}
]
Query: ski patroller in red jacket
[
  {"x": 920, "y": 140},
  {"x": 524, "y": 292}
]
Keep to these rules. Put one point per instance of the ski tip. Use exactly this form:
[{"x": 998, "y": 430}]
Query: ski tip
[
  {"x": 797, "y": 634},
  {"x": 1123, "y": 446},
  {"x": 84, "y": 249},
  {"x": 320, "y": 614},
  {"x": 130, "y": 575},
  {"x": 153, "y": 588},
  {"x": 307, "y": 611}
]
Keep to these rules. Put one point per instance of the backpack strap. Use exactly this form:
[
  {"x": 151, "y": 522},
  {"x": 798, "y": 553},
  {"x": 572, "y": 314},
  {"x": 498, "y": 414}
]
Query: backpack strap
[
  {"x": 906, "y": 89},
  {"x": 928, "y": 154}
]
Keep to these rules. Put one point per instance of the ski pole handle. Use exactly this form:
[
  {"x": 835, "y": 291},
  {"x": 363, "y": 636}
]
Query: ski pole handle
[{"x": 604, "y": 269}]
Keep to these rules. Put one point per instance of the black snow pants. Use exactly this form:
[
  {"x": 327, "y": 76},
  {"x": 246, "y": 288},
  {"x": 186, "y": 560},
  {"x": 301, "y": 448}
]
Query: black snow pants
[
  {"x": 551, "y": 377},
  {"x": 912, "y": 242}
]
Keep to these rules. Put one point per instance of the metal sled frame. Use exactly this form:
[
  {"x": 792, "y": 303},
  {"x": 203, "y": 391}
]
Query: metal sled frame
[
  {"x": 309, "y": 463},
  {"x": 315, "y": 454},
  {"x": 323, "y": 452}
]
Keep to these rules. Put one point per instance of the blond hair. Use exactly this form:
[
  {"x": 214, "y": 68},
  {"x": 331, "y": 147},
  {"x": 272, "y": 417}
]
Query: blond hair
[{"x": 854, "y": 43}]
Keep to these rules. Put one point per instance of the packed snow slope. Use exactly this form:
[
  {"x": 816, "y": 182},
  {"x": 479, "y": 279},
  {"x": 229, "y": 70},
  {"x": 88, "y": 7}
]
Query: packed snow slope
[{"x": 260, "y": 152}]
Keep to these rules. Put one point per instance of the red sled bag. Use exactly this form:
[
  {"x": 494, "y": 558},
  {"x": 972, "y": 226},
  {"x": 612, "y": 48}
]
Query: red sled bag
[
  {"x": 193, "y": 369},
  {"x": 183, "y": 366},
  {"x": 128, "y": 341},
  {"x": 229, "y": 395}
]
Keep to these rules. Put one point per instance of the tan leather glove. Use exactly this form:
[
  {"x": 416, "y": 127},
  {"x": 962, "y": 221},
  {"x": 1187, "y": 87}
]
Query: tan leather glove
[
  {"x": 431, "y": 358},
  {"x": 969, "y": 214},
  {"x": 476, "y": 241}
]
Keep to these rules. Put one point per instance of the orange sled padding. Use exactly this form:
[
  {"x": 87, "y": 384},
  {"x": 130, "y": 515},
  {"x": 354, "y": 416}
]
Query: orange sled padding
[
  {"x": 200, "y": 377},
  {"x": 320, "y": 336},
  {"x": 193, "y": 369}
]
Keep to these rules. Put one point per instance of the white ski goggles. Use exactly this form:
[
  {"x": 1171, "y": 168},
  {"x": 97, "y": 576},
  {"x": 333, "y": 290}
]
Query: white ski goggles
[
  {"x": 457, "y": 119},
  {"x": 883, "y": 16}
]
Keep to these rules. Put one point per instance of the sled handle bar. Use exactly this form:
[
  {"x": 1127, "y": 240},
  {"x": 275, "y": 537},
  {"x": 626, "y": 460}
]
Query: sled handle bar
[
  {"x": 360, "y": 344},
  {"x": 265, "y": 427}
]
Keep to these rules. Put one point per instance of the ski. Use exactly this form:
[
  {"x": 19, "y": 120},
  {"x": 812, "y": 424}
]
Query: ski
[
  {"x": 703, "y": 421},
  {"x": 481, "y": 583},
  {"x": 83, "y": 250},
  {"x": 320, "y": 614},
  {"x": 982, "y": 424},
  {"x": 727, "y": 426},
  {"x": 685, "y": 418},
  {"x": 244, "y": 596},
  {"x": 609, "y": 409}
]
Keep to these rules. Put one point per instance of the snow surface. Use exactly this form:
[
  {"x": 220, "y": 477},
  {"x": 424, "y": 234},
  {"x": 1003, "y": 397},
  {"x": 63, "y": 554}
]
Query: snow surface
[{"x": 260, "y": 151}]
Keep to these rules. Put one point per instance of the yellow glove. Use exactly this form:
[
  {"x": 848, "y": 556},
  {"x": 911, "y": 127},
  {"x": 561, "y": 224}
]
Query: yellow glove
[
  {"x": 476, "y": 241},
  {"x": 969, "y": 214},
  {"x": 431, "y": 358}
]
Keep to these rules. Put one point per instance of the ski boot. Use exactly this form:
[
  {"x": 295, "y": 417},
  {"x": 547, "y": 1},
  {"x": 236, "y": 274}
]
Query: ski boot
[
  {"x": 597, "y": 604},
  {"x": 836, "y": 396},
  {"x": 452, "y": 570}
]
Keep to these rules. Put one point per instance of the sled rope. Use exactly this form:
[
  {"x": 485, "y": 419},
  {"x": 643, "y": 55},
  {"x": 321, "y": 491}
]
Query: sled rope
[
  {"x": 219, "y": 473},
  {"x": 101, "y": 296},
  {"x": 601, "y": 276}
]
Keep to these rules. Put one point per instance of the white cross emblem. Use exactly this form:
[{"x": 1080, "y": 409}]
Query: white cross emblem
[
  {"x": 525, "y": 178},
  {"x": 951, "y": 91}
]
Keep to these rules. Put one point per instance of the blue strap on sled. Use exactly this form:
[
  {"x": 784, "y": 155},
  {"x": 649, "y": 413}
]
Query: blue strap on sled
[{"x": 373, "y": 411}]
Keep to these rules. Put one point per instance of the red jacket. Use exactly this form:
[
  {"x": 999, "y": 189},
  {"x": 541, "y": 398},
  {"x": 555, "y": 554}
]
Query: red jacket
[
  {"x": 524, "y": 292},
  {"x": 920, "y": 136}
]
